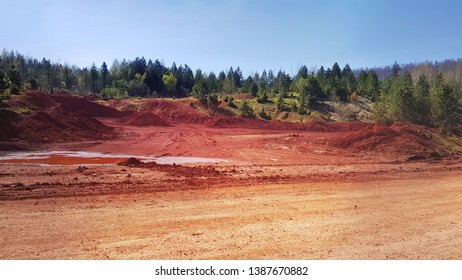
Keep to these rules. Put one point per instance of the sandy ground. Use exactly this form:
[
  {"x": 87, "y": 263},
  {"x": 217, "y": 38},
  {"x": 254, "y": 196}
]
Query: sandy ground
[{"x": 280, "y": 195}]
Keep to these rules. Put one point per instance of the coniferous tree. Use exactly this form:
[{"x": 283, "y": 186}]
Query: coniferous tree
[
  {"x": 303, "y": 72},
  {"x": 94, "y": 79},
  {"x": 443, "y": 104},
  {"x": 348, "y": 79},
  {"x": 212, "y": 83},
  {"x": 3, "y": 84},
  {"x": 104, "y": 76},
  {"x": 395, "y": 70},
  {"x": 368, "y": 85},
  {"x": 15, "y": 79},
  {"x": 444, "y": 109},
  {"x": 401, "y": 102},
  {"x": 422, "y": 101}
]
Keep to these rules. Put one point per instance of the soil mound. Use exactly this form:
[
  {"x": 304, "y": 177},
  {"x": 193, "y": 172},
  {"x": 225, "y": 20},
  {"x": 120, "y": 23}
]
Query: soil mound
[
  {"x": 399, "y": 138},
  {"x": 144, "y": 119},
  {"x": 175, "y": 112},
  {"x": 60, "y": 125},
  {"x": 234, "y": 122},
  {"x": 90, "y": 108},
  {"x": 7, "y": 128},
  {"x": 36, "y": 117},
  {"x": 34, "y": 100},
  {"x": 121, "y": 105},
  {"x": 175, "y": 169}
]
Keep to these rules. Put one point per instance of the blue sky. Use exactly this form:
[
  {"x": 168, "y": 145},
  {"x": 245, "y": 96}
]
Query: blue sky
[{"x": 255, "y": 35}]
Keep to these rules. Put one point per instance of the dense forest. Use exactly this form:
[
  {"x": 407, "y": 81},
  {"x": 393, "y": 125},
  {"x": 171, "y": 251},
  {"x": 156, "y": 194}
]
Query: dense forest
[{"x": 424, "y": 93}]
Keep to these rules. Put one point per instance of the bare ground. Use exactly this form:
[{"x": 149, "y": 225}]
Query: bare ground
[{"x": 281, "y": 195}]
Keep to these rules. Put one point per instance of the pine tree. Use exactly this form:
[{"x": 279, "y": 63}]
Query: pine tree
[
  {"x": 422, "y": 101},
  {"x": 348, "y": 79},
  {"x": 93, "y": 78},
  {"x": 245, "y": 110},
  {"x": 444, "y": 105},
  {"x": 395, "y": 70},
  {"x": 3, "y": 84},
  {"x": 303, "y": 72},
  {"x": 104, "y": 75},
  {"x": 15, "y": 80},
  {"x": 401, "y": 101}
]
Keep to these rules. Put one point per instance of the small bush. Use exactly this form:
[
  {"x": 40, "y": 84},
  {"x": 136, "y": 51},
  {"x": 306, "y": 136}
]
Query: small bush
[
  {"x": 245, "y": 110},
  {"x": 212, "y": 101},
  {"x": 262, "y": 98},
  {"x": 264, "y": 115},
  {"x": 230, "y": 101}
]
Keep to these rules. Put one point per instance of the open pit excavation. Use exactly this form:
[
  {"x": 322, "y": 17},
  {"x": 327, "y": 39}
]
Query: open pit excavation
[{"x": 110, "y": 181}]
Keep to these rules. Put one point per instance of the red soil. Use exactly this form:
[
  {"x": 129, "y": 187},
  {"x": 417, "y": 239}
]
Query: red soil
[
  {"x": 236, "y": 122},
  {"x": 175, "y": 112},
  {"x": 287, "y": 191},
  {"x": 65, "y": 118},
  {"x": 7, "y": 128},
  {"x": 35, "y": 100},
  {"x": 66, "y": 160},
  {"x": 143, "y": 119},
  {"x": 44, "y": 119},
  {"x": 398, "y": 138},
  {"x": 90, "y": 108}
]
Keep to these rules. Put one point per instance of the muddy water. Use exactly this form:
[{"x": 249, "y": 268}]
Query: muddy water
[{"x": 89, "y": 158}]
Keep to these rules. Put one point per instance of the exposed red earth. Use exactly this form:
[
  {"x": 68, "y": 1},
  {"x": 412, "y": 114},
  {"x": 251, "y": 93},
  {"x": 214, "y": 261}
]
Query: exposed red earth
[{"x": 285, "y": 191}]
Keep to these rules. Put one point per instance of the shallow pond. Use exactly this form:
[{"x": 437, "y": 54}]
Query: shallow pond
[{"x": 86, "y": 158}]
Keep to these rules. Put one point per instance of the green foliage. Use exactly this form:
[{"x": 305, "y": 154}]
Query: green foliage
[
  {"x": 262, "y": 97},
  {"x": 94, "y": 88},
  {"x": 334, "y": 84},
  {"x": 3, "y": 85},
  {"x": 253, "y": 89},
  {"x": 104, "y": 75},
  {"x": 368, "y": 85},
  {"x": 348, "y": 80},
  {"x": 169, "y": 81},
  {"x": 395, "y": 71},
  {"x": 444, "y": 107},
  {"x": 304, "y": 94},
  {"x": 200, "y": 90},
  {"x": 264, "y": 115},
  {"x": 422, "y": 101},
  {"x": 381, "y": 110},
  {"x": 136, "y": 87},
  {"x": 432, "y": 100},
  {"x": 302, "y": 72},
  {"x": 245, "y": 110},
  {"x": 113, "y": 92},
  {"x": 434, "y": 103},
  {"x": 401, "y": 101},
  {"x": 230, "y": 100},
  {"x": 212, "y": 101},
  {"x": 15, "y": 80},
  {"x": 280, "y": 103}
]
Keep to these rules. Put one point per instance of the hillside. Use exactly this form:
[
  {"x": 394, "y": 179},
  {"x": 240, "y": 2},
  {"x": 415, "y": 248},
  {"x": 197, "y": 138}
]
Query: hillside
[{"x": 36, "y": 117}]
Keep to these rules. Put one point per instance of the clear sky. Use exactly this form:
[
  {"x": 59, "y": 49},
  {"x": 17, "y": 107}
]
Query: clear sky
[{"x": 255, "y": 35}]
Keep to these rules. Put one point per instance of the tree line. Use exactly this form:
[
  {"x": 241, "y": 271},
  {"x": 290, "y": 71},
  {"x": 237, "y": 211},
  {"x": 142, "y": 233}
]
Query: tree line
[
  {"x": 428, "y": 93},
  {"x": 145, "y": 78}
]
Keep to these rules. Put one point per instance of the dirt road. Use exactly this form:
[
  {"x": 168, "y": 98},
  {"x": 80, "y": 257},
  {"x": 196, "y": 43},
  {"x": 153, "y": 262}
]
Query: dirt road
[{"x": 395, "y": 219}]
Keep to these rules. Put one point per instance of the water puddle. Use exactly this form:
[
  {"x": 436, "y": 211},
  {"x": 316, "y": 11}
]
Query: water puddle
[{"x": 91, "y": 158}]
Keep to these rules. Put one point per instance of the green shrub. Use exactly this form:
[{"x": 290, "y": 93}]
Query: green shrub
[{"x": 245, "y": 110}]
